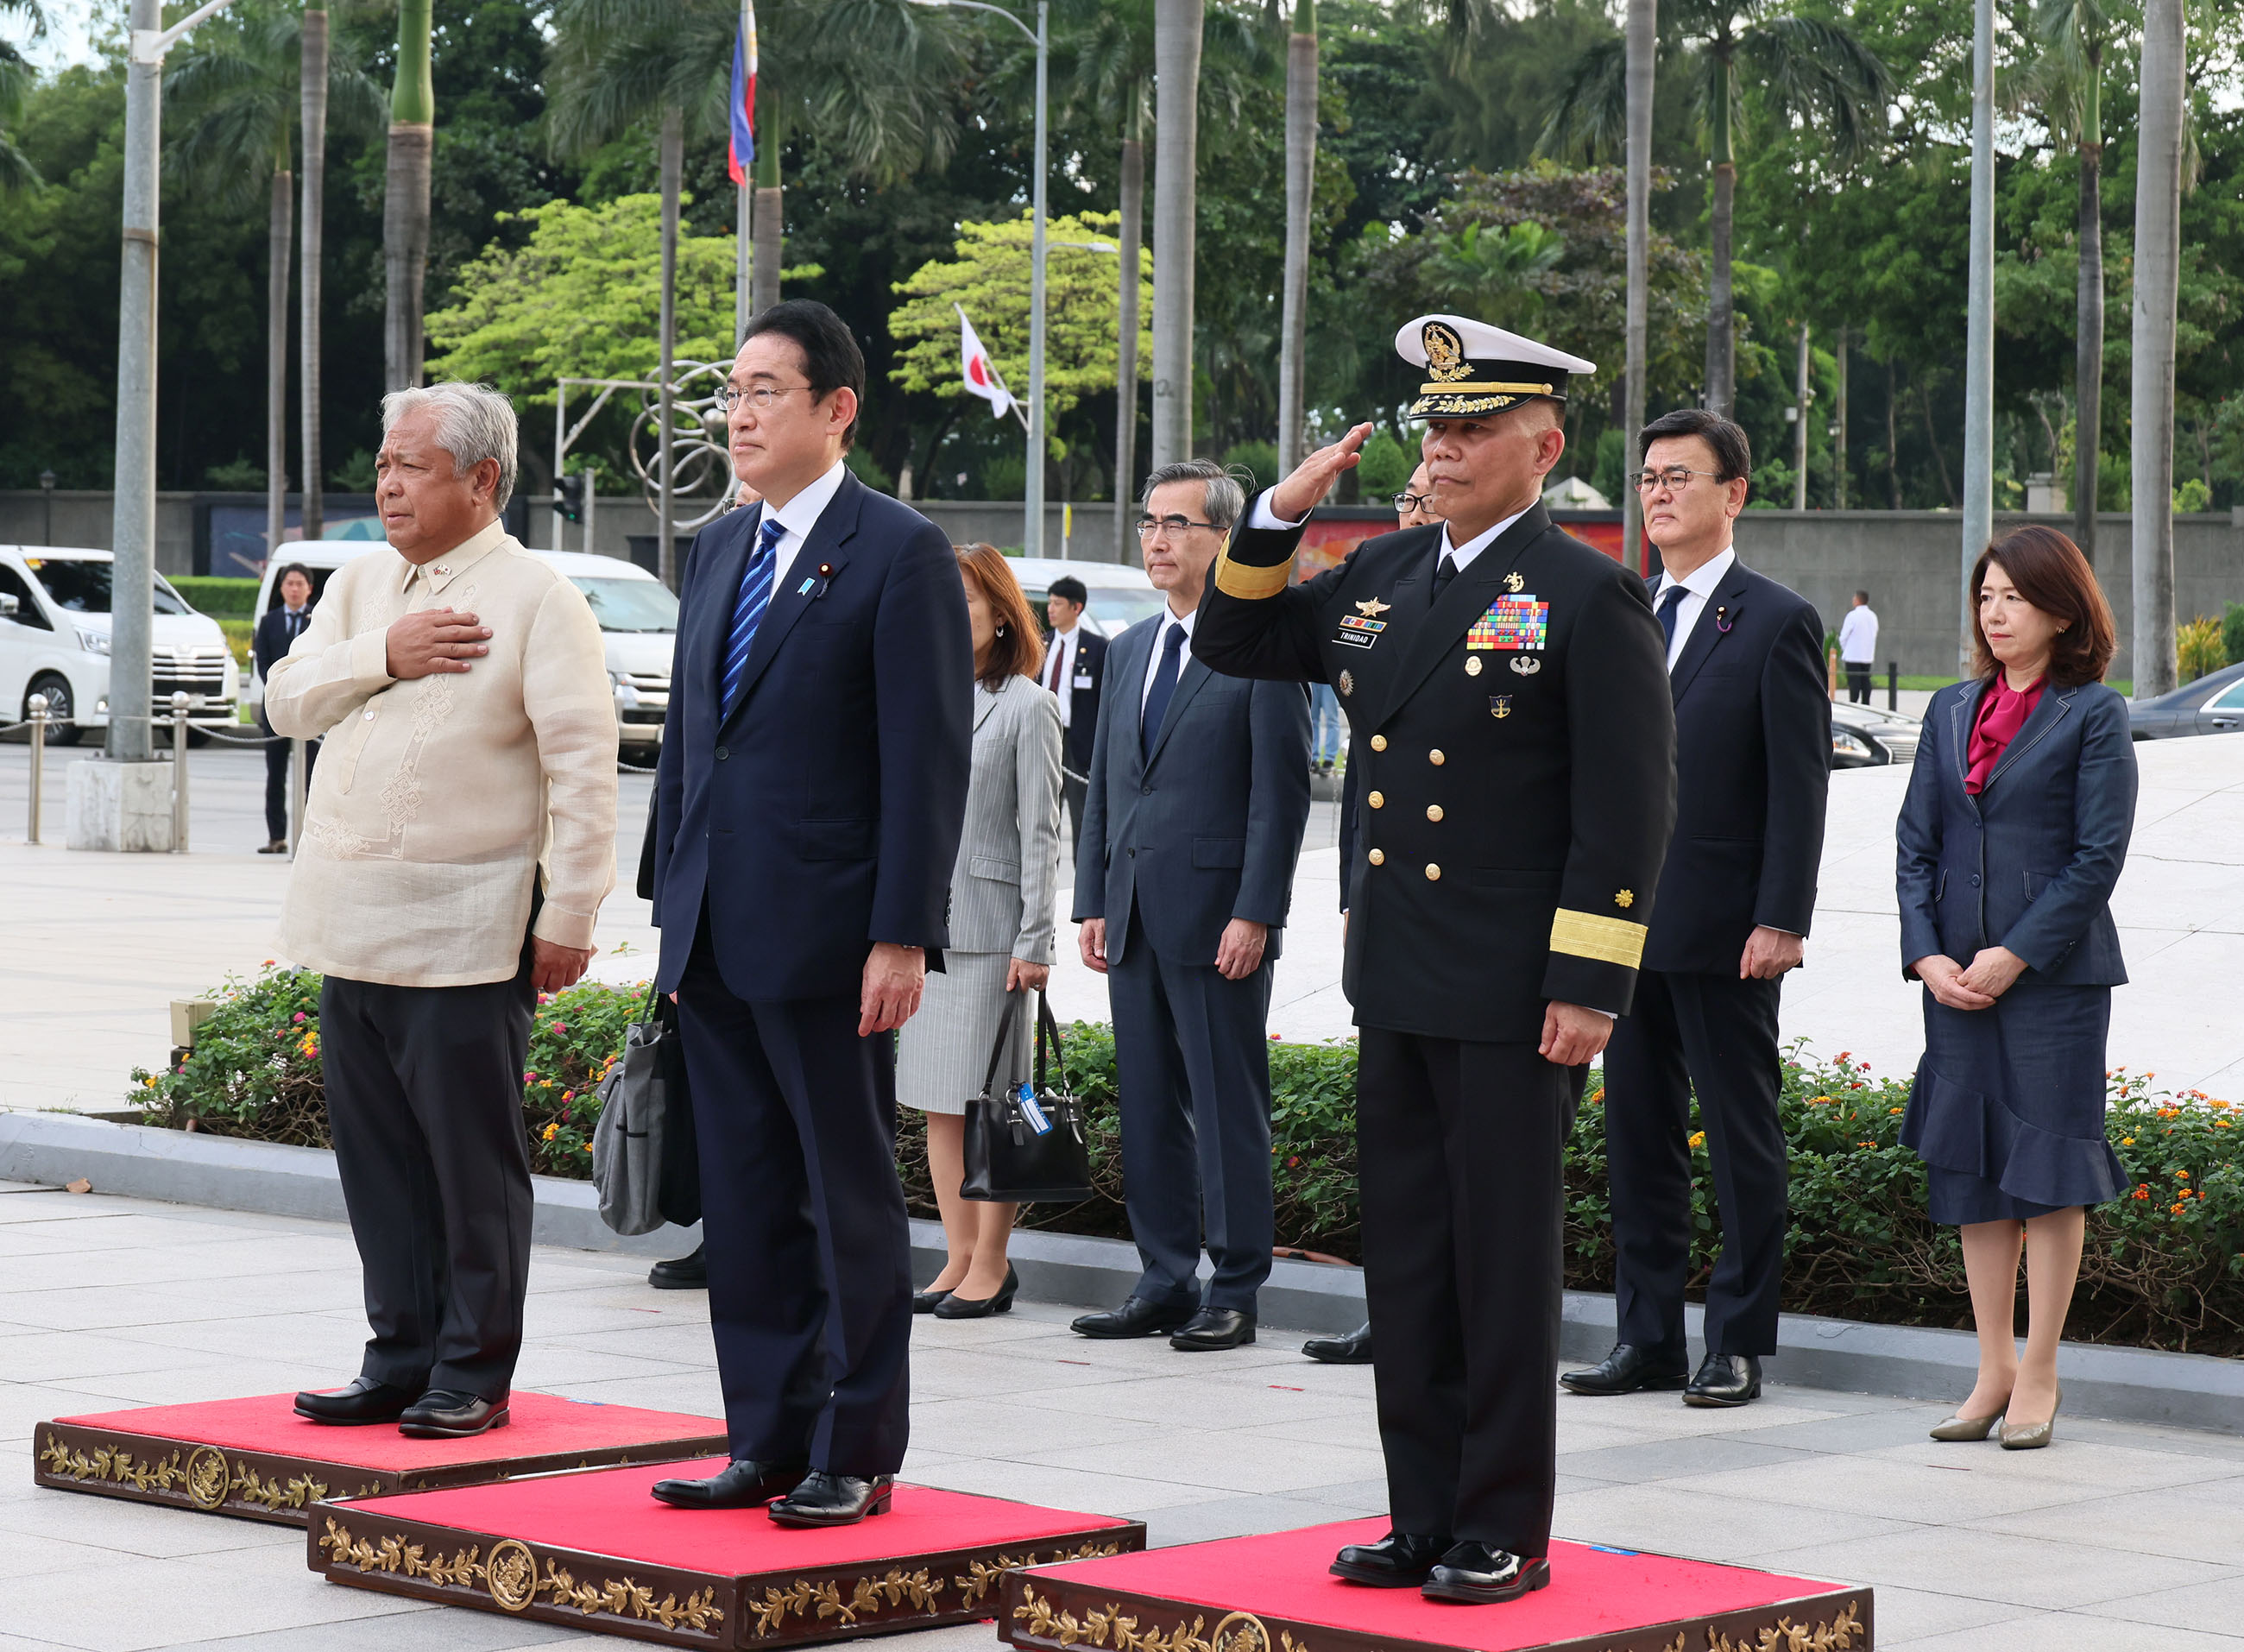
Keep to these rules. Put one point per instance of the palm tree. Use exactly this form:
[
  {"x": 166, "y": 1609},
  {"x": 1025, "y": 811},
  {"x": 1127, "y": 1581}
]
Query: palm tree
[
  {"x": 1639, "y": 56},
  {"x": 2158, "y": 270},
  {"x": 1806, "y": 69},
  {"x": 234, "y": 105},
  {"x": 405, "y": 199},
  {"x": 1300, "y": 171},
  {"x": 1176, "y": 199},
  {"x": 312, "y": 89},
  {"x": 16, "y": 171}
]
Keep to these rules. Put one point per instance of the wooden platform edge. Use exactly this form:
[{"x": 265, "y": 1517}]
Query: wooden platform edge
[{"x": 362, "y": 1546}]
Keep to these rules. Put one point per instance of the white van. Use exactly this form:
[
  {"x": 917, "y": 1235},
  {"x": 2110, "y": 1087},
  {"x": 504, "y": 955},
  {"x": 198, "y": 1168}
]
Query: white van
[
  {"x": 54, "y": 640},
  {"x": 637, "y": 616},
  {"x": 1120, "y": 596}
]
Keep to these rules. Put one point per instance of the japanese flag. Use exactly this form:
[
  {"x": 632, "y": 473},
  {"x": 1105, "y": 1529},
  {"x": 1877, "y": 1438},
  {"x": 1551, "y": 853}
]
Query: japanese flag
[{"x": 982, "y": 379}]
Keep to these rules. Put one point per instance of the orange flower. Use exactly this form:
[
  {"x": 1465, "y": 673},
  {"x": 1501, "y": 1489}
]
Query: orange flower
[
  {"x": 2181, "y": 1176},
  {"x": 1600, "y": 1096},
  {"x": 2177, "y": 1209},
  {"x": 1896, "y": 1112},
  {"x": 2142, "y": 1193}
]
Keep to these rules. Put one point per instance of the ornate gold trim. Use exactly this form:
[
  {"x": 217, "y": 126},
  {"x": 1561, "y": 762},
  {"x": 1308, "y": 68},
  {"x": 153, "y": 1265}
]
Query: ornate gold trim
[
  {"x": 1452, "y": 388},
  {"x": 1785, "y": 1635},
  {"x": 204, "y": 1476},
  {"x": 1609, "y": 940},
  {"x": 1249, "y": 583}
]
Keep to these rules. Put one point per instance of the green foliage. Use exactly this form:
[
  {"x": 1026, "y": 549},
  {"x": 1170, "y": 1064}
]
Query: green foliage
[
  {"x": 1385, "y": 465},
  {"x": 219, "y": 598},
  {"x": 236, "y": 476},
  {"x": 2199, "y": 647},
  {"x": 1257, "y": 460},
  {"x": 355, "y": 474},
  {"x": 2232, "y": 631},
  {"x": 2194, "y": 494}
]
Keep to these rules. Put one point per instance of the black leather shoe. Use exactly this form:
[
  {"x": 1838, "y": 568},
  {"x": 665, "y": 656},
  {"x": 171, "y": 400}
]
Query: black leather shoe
[
  {"x": 1215, "y": 1327},
  {"x": 1355, "y": 1349},
  {"x": 684, "y": 1273},
  {"x": 1136, "y": 1318},
  {"x": 742, "y": 1483},
  {"x": 443, "y": 1414},
  {"x": 1477, "y": 1575},
  {"x": 1725, "y": 1379},
  {"x": 1398, "y": 1560},
  {"x": 833, "y": 1500},
  {"x": 923, "y": 1302},
  {"x": 359, "y": 1400},
  {"x": 1624, "y": 1370},
  {"x": 955, "y": 1306}
]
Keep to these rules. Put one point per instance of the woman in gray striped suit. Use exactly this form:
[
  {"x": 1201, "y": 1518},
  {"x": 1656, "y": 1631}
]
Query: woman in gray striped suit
[{"x": 1002, "y": 890}]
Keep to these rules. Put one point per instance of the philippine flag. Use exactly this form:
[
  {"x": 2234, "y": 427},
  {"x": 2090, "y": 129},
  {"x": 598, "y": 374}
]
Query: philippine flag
[
  {"x": 744, "y": 97},
  {"x": 982, "y": 379}
]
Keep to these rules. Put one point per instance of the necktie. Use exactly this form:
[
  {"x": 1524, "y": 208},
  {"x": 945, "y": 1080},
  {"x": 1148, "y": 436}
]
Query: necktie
[
  {"x": 749, "y": 608},
  {"x": 1444, "y": 574},
  {"x": 1059, "y": 653},
  {"x": 1670, "y": 600},
  {"x": 1165, "y": 686}
]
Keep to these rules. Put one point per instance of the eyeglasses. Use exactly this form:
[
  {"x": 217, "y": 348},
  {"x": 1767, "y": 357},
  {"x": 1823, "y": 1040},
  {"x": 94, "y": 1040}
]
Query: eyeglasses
[
  {"x": 1406, "y": 503},
  {"x": 1154, "y": 527},
  {"x": 759, "y": 397},
  {"x": 1674, "y": 478}
]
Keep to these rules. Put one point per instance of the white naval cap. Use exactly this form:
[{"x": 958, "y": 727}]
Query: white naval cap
[{"x": 1472, "y": 368}]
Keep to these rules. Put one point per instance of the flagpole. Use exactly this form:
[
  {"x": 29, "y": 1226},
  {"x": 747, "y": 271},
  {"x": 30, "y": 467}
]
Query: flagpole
[{"x": 744, "y": 207}]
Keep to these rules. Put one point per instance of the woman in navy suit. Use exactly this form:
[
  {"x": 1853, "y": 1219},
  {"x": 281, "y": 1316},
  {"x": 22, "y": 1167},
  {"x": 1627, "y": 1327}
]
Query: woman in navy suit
[{"x": 2012, "y": 838}]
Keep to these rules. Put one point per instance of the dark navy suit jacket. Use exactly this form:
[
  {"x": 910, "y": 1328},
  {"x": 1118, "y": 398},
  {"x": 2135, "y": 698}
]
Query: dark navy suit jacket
[
  {"x": 823, "y": 814},
  {"x": 2030, "y": 863},
  {"x": 1205, "y": 826}
]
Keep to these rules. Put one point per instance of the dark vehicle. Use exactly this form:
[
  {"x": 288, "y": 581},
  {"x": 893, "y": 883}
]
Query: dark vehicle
[
  {"x": 2212, "y": 704},
  {"x": 1863, "y": 736}
]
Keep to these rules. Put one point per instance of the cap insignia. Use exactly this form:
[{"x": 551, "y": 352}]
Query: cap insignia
[{"x": 1445, "y": 354}]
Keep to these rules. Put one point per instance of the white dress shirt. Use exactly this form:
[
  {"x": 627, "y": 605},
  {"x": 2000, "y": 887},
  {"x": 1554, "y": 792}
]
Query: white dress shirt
[
  {"x": 798, "y": 517},
  {"x": 1698, "y": 588},
  {"x": 1858, "y": 635},
  {"x": 1062, "y": 658},
  {"x": 1169, "y": 617}
]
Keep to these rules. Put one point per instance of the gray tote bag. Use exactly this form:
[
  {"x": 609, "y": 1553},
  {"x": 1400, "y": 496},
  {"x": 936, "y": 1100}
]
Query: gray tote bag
[{"x": 627, "y": 1144}]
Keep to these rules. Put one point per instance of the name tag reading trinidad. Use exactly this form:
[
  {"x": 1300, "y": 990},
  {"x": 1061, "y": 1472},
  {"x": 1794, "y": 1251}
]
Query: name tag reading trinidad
[
  {"x": 1512, "y": 624},
  {"x": 1359, "y": 631}
]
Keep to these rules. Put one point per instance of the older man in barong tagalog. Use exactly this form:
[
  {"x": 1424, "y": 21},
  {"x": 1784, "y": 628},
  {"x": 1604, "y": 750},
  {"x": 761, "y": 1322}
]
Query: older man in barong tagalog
[{"x": 457, "y": 844}]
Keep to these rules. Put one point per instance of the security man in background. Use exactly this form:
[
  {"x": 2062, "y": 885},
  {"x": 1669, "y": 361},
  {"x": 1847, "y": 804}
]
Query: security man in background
[
  {"x": 1075, "y": 671},
  {"x": 1507, "y": 690}
]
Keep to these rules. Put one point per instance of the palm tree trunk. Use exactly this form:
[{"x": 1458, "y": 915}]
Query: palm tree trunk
[
  {"x": 1300, "y": 177},
  {"x": 312, "y": 84},
  {"x": 2088, "y": 326},
  {"x": 1721, "y": 313},
  {"x": 1641, "y": 37},
  {"x": 405, "y": 201},
  {"x": 1839, "y": 458},
  {"x": 1126, "y": 361},
  {"x": 1892, "y": 458},
  {"x": 1802, "y": 393},
  {"x": 278, "y": 235},
  {"x": 673, "y": 167},
  {"x": 766, "y": 224},
  {"x": 1176, "y": 161},
  {"x": 2158, "y": 268}
]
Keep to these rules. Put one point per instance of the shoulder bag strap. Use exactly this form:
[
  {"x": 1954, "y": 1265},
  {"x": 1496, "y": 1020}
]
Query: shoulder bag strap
[
  {"x": 1005, "y": 1034},
  {"x": 1047, "y": 1029}
]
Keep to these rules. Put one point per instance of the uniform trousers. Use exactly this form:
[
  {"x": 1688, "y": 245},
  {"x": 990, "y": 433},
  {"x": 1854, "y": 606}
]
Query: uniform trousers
[
  {"x": 1716, "y": 1035},
  {"x": 424, "y": 1102},
  {"x": 1459, "y": 1163},
  {"x": 276, "y": 779},
  {"x": 1074, "y": 794},
  {"x": 802, "y": 1218},
  {"x": 1858, "y": 681}
]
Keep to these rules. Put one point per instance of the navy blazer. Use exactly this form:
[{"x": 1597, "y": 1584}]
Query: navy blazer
[
  {"x": 823, "y": 814},
  {"x": 2030, "y": 863},
  {"x": 1207, "y": 825},
  {"x": 1753, "y": 764}
]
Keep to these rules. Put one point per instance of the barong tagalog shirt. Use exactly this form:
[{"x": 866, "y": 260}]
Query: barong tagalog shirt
[{"x": 436, "y": 800}]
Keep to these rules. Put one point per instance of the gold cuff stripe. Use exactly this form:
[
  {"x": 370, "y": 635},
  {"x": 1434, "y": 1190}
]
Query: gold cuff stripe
[
  {"x": 1609, "y": 940},
  {"x": 1459, "y": 386},
  {"x": 1252, "y": 584}
]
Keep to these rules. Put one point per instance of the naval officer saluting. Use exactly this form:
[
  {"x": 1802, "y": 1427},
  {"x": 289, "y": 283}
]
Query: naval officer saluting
[{"x": 1507, "y": 691}]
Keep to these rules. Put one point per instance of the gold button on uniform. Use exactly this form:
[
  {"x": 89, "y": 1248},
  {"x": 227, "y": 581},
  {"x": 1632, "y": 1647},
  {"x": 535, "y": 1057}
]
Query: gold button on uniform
[
  {"x": 1433, "y": 873},
  {"x": 1435, "y": 758},
  {"x": 1379, "y": 743},
  {"x": 1378, "y": 799},
  {"x": 1377, "y": 857},
  {"x": 1433, "y": 811}
]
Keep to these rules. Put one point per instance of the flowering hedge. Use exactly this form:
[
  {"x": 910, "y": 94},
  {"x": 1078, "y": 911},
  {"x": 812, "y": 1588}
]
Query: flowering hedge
[{"x": 2164, "y": 1265}]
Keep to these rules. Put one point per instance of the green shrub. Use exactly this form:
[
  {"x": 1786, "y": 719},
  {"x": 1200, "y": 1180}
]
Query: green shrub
[
  {"x": 2232, "y": 631},
  {"x": 222, "y": 599},
  {"x": 2198, "y": 647},
  {"x": 1384, "y": 467}
]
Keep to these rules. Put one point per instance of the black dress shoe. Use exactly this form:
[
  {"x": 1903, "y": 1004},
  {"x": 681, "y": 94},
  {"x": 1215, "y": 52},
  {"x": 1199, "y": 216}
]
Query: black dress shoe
[
  {"x": 742, "y": 1483},
  {"x": 360, "y": 1400},
  {"x": 1355, "y": 1349},
  {"x": 442, "y": 1413},
  {"x": 955, "y": 1306},
  {"x": 1213, "y": 1328},
  {"x": 1398, "y": 1560},
  {"x": 1479, "y": 1574},
  {"x": 1136, "y": 1318},
  {"x": 1624, "y": 1370},
  {"x": 923, "y": 1302},
  {"x": 684, "y": 1273},
  {"x": 833, "y": 1500},
  {"x": 1725, "y": 1379}
]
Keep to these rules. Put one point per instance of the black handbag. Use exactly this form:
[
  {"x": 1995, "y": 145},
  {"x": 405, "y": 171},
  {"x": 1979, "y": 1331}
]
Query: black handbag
[{"x": 1026, "y": 1144}]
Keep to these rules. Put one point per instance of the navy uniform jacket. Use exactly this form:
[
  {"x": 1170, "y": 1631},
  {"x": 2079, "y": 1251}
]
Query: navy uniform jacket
[
  {"x": 1753, "y": 746},
  {"x": 1205, "y": 827},
  {"x": 824, "y": 813},
  {"x": 1516, "y": 745},
  {"x": 2030, "y": 863}
]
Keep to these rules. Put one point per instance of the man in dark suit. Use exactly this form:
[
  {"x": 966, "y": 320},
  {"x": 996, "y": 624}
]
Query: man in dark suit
[
  {"x": 1200, "y": 788},
  {"x": 1753, "y": 751},
  {"x": 810, "y": 801},
  {"x": 1075, "y": 670},
  {"x": 277, "y": 630},
  {"x": 1509, "y": 714}
]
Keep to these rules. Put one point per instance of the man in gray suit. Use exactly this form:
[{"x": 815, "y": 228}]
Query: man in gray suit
[{"x": 1200, "y": 788}]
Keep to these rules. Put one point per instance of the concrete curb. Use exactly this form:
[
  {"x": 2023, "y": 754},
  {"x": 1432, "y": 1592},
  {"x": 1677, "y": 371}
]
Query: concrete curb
[{"x": 2129, "y": 1384}]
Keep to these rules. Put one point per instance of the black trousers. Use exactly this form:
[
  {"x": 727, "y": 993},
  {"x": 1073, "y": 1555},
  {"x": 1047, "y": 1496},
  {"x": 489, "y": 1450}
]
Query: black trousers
[
  {"x": 1192, "y": 1053},
  {"x": 802, "y": 1218},
  {"x": 1074, "y": 794},
  {"x": 424, "y": 1101},
  {"x": 1858, "y": 681},
  {"x": 1458, "y": 1152},
  {"x": 1716, "y": 1035},
  {"x": 276, "y": 779}
]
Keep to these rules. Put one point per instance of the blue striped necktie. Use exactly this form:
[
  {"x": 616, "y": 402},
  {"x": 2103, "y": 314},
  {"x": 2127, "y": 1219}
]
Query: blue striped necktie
[{"x": 748, "y": 609}]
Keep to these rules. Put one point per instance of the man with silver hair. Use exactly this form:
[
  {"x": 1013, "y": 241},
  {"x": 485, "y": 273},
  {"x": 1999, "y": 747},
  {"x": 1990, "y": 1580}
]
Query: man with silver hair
[{"x": 459, "y": 838}]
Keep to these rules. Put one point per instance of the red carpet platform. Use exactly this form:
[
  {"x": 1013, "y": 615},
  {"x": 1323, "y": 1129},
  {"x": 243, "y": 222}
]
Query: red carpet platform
[
  {"x": 595, "y": 1552},
  {"x": 258, "y": 1458},
  {"x": 1273, "y": 1593}
]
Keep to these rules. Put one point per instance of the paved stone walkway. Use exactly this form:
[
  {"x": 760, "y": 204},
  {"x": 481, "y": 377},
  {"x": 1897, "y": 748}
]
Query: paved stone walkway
[{"x": 2119, "y": 1538}]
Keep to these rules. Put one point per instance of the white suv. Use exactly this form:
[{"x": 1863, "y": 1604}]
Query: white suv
[{"x": 54, "y": 640}]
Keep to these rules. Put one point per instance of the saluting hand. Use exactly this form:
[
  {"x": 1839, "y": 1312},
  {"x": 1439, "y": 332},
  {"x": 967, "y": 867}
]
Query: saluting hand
[{"x": 1305, "y": 489}]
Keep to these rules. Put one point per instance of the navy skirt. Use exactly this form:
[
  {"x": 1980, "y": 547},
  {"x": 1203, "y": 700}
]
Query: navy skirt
[{"x": 2007, "y": 1112}]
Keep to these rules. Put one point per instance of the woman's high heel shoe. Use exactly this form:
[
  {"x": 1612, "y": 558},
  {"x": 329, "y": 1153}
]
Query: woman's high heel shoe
[
  {"x": 957, "y": 1307},
  {"x": 926, "y": 1302},
  {"x": 2038, "y": 1435},
  {"x": 1962, "y": 1428}
]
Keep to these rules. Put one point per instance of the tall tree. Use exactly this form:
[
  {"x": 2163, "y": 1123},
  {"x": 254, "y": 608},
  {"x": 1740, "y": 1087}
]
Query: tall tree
[
  {"x": 1176, "y": 200},
  {"x": 312, "y": 91},
  {"x": 1300, "y": 172},
  {"x": 405, "y": 200},
  {"x": 1639, "y": 59},
  {"x": 1803, "y": 70},
  {"x": 16, "y": 78},
  {"x": 2158, "y": 142}
]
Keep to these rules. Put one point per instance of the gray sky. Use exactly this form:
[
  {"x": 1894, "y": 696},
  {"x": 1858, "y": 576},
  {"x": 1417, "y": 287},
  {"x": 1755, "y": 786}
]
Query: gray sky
[{"x": 69, "y": 26}]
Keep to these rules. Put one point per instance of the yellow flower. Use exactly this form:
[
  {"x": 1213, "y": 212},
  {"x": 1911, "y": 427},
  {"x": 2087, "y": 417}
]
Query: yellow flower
[
  {"x": 1698, "y": 1138},
  {"x": 2126, "y": 1141},
  {"x": 1896, "y": 1112},
  {"x": 552, "y": 1130}
]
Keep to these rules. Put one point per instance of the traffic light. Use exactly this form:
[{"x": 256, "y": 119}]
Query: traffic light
[{"x": 569, "y": 497}]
